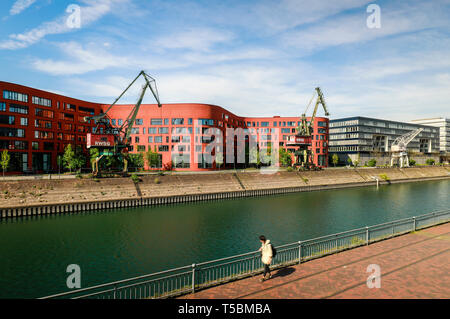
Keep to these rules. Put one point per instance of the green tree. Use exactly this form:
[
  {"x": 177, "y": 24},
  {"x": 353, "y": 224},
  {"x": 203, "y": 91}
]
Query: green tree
[
  {"x": 152, "y": 158},
  {"x": 335, "y": 159},
  {"x": 372, "y": 162},
  {"x": 136, "y": 160},
  {"x": 285, "y": 157},
  {"x": 4, "y": 162},
  {"x": 79, "y": 158},
  {"x": 430, "y": 161},
  {"x": 69, "y": 158}
]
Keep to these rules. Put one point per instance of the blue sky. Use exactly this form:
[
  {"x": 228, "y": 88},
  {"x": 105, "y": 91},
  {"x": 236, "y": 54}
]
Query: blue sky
[{"x": 255, "y": 58}]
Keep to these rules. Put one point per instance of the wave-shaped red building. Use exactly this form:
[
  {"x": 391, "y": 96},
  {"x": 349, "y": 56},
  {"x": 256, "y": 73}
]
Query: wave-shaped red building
[{"x": 36, "y": 126}]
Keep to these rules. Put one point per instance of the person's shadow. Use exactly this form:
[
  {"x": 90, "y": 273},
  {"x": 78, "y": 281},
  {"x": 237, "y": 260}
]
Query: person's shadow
[{"x": 284, "y": 272}]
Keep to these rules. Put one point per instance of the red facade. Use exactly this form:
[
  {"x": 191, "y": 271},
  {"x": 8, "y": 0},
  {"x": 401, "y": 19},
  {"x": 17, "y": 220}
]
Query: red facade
[{"x": 35, "y": 126}]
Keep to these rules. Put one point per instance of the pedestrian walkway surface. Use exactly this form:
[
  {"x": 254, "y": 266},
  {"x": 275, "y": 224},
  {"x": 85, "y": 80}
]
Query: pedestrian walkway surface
[{"x": 415, "y": 265}]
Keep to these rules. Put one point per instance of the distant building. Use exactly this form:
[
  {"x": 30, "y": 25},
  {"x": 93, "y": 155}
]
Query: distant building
[
  {"x": 36, "y": 126},
  {"x": 444, "y": 131},
  {"x": 362, "y": 138}
]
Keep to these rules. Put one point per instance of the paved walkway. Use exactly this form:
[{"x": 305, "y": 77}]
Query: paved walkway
[{"x": 416, "y": 265}]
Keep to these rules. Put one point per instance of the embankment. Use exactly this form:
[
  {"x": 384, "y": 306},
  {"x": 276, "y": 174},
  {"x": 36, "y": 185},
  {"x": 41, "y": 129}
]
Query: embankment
[{"x": 36, "y": 197}]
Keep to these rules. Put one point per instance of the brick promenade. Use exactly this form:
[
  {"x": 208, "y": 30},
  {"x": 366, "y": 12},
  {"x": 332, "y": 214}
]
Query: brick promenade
[{"x": 415, "y": 265}]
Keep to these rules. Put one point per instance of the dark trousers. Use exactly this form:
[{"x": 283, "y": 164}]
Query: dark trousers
[{"x": 266, "y": 270}]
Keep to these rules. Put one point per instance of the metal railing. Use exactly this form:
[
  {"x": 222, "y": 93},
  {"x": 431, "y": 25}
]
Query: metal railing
[{"x": 188, "y": 279}]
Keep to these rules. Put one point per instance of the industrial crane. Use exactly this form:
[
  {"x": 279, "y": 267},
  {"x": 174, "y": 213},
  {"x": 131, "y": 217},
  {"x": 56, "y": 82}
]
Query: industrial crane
[
  {"x": 303, "y": 138},
  {"x": 398, "y": 148},
  {"x": 116, "y": 141}
]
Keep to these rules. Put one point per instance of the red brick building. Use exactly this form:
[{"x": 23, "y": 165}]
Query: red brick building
[{"x": 35, "y": 126}]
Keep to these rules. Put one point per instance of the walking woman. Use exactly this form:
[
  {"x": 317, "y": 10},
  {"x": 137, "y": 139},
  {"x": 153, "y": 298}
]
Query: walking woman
[{"x": 266, "y": 256}]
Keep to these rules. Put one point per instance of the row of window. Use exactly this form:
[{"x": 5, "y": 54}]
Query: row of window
[
  {"x": 16, "y": 96},
  {"x": 209, "y": 122}
]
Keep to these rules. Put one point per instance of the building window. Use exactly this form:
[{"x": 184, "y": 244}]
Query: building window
[
  {"x": 41, "y": 101},
  {"x": 11, "y": 132},
  {"x": 141, "y": 148},
  {"x": 10, "y": 95},
  {"x": 43, "y": 135},
  {"x": 2, "y": 106},
  {"x": 6, "y": 119},
  {"x": 23, "y": 121},
  {"x": 178, "y": 121},
  {"x": 45, "y": 124},
  {"x": 205, "y": 122},
  {"x": 49, "y": 146},
  {"x": 152, "y": 130},
  {"x": 16, "y": 108},
  {"x": 139, "y": 121},
  {"x": 119, "y": 122},
  {"x": 158, "y": 139},
  {"x": 135, "y": 130},
  {"x": 113, "y": 122},
  {"x": 190, "y": 121},
  {"x": 136, "y": 140},
  {"x": 156, "y": 121},
  {"x": 163, "y": 130},
  {"x": 163, "y": 148},
  {"x": 44, "y": 113},
  {"x": 150, "y": 139},
  {"x": 35, "y": 145}
]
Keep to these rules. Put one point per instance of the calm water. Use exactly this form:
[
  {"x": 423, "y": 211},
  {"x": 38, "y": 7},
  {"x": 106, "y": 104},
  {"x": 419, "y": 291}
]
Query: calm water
[{"x": 114, "y": 245}]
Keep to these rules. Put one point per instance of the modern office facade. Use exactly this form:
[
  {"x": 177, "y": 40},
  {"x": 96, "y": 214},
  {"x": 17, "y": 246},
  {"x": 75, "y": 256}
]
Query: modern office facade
[
  {"x": 444, "y": 132},
  {"x": 362, "y": 138},
  {"x": 36, "y": 126}
]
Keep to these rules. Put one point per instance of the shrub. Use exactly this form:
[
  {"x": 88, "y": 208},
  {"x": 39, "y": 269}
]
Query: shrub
[
  {"x": 412, "y": 162},
  {"x": 157, "y": 181},
  {"x": 384, "y": 176},
  {"x": 430, "y": 161},
  {"x": 289, "y": 169},
  {"x": 135, "y": 178},
  {"x": 372, "y": 162},
  {"x": 160, "y": 173}
]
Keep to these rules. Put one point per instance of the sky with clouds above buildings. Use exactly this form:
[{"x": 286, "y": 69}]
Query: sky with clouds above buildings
[{"x": 255, "y": 58}]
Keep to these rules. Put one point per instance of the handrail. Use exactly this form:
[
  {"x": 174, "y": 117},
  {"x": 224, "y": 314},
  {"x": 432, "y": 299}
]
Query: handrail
[{"x": 191, "y": 270}]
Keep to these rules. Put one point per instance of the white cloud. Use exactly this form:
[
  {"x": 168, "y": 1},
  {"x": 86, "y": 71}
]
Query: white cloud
[
  {"x": 81, "y": 60},
  {"x": 92, "y": 11},
  {"x": 352, "y": 28},
  {"x": 287, "y": 14},
  {"x": 198, "y": 39},
  {"x": 20, "y": 5}
]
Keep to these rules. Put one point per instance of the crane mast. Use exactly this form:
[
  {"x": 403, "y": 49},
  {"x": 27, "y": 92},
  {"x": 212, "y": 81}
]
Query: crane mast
[
  {"x": 398, "y": 148},
  {"x": 116, "y": 141},
  {"x": 303, "y": 138}
]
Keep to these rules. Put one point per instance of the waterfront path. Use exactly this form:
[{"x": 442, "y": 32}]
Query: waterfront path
[{"x": 415, "y": 265}]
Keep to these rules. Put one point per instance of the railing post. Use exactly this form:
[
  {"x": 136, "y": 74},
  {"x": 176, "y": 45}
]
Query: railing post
[
  {"x": 115, "y": 292},
  {"x": 253, "y": 263},
  {"x": 367, "y": 235},
  {"x": 414, "y": 220},
  {"x": 299, "y": 252},
  {"x": 193, "y": 278}
]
